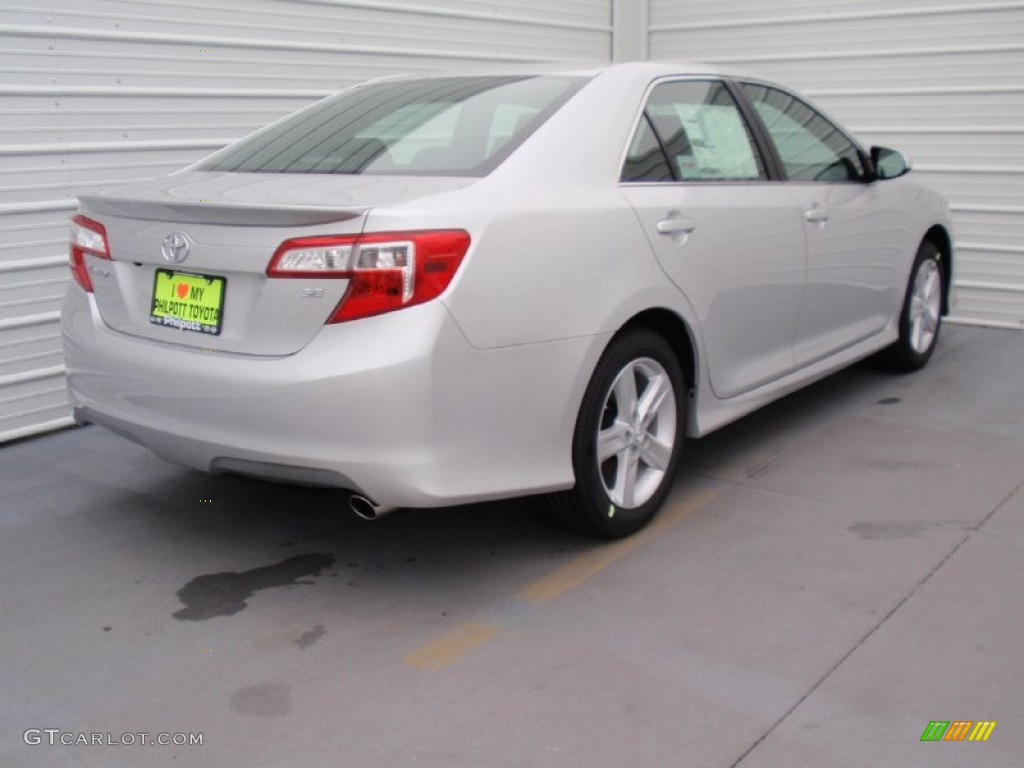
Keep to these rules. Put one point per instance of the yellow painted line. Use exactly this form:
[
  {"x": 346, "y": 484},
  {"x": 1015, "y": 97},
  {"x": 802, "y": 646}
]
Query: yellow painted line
[
  {"x": 577, "y": 571},
  {"x": 452, "y": 646},
  {"x": 469, "y": 636}
]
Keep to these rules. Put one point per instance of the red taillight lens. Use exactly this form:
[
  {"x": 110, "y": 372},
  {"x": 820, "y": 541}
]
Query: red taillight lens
[
  {"x": 88, "y": 237},
  {"x": 386, "y": 271}
]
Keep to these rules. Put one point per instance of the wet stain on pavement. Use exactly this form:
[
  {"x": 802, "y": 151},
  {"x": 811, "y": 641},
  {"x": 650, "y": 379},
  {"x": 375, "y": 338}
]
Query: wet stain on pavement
[
  {"x": 271, "y": 699},
  {"x": 224, "y": 594},
  {"x": 306, "y": 639}
]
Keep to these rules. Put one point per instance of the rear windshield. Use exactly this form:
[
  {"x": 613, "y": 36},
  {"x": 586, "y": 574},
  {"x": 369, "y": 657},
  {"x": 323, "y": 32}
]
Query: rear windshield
[{"x": 452, "y": 126}]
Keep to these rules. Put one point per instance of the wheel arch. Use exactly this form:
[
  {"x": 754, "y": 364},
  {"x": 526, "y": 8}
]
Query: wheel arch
[
  {"x": 940, "y": 238},
  {"x": 676, "y": 333}
]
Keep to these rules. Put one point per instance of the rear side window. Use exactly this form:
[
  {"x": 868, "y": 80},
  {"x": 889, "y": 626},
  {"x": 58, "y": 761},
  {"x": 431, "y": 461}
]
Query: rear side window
[
  {"x": 692, "y": 131},
  {"x": 451, "y": 126},
  {"x": 646, "y": 160}
]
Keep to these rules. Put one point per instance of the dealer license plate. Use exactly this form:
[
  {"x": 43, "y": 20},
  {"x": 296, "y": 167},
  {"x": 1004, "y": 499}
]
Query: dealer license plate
[{"x": 188, "y": 301}]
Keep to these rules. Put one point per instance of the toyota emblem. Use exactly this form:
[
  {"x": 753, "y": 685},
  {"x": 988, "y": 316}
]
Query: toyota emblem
[{"x": 175, "y": 247}]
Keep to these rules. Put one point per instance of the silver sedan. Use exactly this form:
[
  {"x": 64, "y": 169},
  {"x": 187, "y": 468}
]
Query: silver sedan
[{"x": 437, "y": 290}]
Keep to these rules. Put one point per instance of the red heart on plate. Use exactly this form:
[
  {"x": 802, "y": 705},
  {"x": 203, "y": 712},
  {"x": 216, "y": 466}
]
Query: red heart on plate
[{"x": 182, "y": 290}]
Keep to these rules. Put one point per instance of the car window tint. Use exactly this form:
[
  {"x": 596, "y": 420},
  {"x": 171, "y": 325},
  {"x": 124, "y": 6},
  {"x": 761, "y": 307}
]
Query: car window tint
[
  {"x": 454, "y": 126},
  {"x": 508, "y": 121},
  {"x": 811, "y": 148},
  {"x": 646, "y": 160},
  {"x": 703, "y": 132}
]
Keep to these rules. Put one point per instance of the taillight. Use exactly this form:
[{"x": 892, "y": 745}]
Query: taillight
[
  {"x": 386, "y": 271},
  {"x": 87, "y": 237}
]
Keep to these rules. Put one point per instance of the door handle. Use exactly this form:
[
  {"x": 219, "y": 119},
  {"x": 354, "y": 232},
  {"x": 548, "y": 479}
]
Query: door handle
[
  {"x": 676, "y": 226},
  {"x": 816, "y": 215}
]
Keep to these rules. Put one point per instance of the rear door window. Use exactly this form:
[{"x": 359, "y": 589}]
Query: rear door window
[{"x": 692, "y": 131}]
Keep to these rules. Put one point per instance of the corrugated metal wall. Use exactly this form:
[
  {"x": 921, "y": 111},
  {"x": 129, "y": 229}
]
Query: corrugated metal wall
[
  {"x": 942, "y": 80},
  {"x": 96, "y": 92}
]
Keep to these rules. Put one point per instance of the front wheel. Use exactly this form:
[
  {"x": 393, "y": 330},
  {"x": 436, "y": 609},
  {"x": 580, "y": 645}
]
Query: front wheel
[
  {"x": 628, "y": 437},
  {"x": 921, "y": 317}
]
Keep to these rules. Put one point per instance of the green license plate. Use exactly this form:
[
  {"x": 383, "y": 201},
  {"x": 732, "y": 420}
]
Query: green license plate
[{"x": 188, "y": 301}]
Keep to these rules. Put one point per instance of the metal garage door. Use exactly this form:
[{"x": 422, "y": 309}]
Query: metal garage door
[
  {"x": 941, "y": 79},
  {"x": 101, "y": 91}
]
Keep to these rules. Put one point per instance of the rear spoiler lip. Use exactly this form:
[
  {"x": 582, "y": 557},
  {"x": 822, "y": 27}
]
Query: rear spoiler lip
[{"x": 236, "y": 214}]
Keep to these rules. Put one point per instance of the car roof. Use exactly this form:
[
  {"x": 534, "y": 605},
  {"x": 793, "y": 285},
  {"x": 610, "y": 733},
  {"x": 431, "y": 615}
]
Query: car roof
[{"x": 640, "y": 69}]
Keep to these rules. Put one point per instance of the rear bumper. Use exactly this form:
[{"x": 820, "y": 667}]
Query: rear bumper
[{"x": 398, "y": 407}]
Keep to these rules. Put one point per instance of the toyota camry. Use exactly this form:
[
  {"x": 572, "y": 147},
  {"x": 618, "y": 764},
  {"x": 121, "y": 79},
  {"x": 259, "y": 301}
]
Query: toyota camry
[{"x": 432, "y": 290}]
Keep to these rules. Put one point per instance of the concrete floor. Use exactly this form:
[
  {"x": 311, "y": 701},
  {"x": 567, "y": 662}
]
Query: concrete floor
[{"x": 828, "y": 576}]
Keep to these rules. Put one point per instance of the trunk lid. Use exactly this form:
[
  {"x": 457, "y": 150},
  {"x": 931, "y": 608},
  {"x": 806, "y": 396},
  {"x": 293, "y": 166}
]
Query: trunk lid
[{"x": 227, "y": 226}]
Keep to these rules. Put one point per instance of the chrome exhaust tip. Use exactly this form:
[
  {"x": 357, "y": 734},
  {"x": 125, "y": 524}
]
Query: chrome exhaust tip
[{"x": 366, "y": 509}]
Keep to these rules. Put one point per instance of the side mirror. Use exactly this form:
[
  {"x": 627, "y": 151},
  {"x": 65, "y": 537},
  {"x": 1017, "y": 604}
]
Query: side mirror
[{"x": 889, "y": 163}]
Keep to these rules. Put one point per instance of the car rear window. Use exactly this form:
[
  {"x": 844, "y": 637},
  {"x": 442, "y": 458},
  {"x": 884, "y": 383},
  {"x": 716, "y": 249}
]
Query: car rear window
[{"x": 451, "y": 126}]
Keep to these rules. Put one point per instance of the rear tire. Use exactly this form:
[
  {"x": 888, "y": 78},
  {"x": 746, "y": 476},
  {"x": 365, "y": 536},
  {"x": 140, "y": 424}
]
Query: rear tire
[
  {"x": 628, "y": 438},
  {"x": 921, "y": 318}
]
